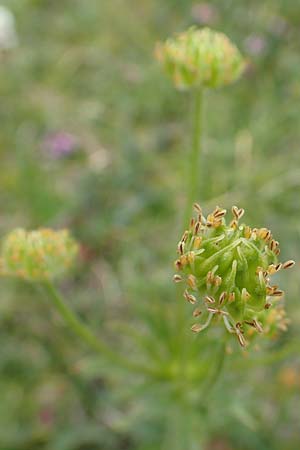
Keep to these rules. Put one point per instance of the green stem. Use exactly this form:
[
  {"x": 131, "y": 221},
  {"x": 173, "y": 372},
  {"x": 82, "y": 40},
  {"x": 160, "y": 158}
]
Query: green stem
[
  {"x": 85, "y": 334},
  {"x": 193, "y": 182},
  {"x": 193, "y": 174}
]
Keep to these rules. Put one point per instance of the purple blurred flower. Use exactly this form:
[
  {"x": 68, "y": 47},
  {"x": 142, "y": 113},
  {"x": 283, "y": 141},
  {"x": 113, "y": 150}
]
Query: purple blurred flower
[
  {"x": 60, "y": 144},
  {"x": 255, "y": 44},
  {"x": 204, "y": 13}
]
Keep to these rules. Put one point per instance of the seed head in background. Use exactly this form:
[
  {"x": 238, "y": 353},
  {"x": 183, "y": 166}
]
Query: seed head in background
[
  {"x": 40, "y": 255},
  {"x": 227, "y": 271},
  {"x": 200, "y": 58}
]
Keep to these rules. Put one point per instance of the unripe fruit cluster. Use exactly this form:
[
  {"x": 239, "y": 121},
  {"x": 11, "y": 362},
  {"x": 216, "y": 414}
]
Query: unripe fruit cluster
[
  {"x": 200, "y": 58},
  {"x": 38, "y": 255},
  {"x": 227, "y": 270}
]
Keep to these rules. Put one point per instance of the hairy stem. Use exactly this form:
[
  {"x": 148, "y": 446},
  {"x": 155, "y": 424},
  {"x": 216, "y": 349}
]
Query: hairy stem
[{"x": 86, "y": 335}]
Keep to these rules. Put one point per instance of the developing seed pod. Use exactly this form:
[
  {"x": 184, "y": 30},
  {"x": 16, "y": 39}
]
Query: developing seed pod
[
  {"x": 200, "y": 58},
  {"x": 229, "y": 274},
  {"x": 38, "y": 255}
]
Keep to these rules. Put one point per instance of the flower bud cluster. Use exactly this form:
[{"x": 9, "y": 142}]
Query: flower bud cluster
[
  {"x": 38, "y": 255},
  {"x": 200, "y": 58},
  {"x": 227, "y": 271}
]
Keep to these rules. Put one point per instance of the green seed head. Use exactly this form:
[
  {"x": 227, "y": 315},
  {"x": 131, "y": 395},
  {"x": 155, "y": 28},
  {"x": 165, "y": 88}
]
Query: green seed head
[
  {"x": 227, "y": 271},
  {"x": 200, "y": 58},
  {"x": 38, "y": 255}
]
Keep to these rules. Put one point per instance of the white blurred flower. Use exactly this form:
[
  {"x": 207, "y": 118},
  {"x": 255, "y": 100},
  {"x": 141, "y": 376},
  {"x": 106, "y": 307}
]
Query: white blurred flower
[{"x": 8, "y": 35}]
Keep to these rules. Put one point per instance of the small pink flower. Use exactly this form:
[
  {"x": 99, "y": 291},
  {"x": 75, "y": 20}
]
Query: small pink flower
[
  {"x": 255, "y": 44},
  {"x": 60, "y": 144},
  {"x": 204, "y": 13}
]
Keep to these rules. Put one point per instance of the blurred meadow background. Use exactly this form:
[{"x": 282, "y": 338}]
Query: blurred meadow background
[{"x": 94, "y": 137}]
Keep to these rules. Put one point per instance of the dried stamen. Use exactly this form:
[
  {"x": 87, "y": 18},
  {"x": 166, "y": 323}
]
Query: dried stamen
[
  {"x": 288, "y": 264},
  {"x": 177, "y": 278},
  {"x": 209, "y": 299},
  {"x": 222, "y": 298},
  {"x": 197, "y": 312},
  {"x": 192, "y": 281},
  {"x": 189, "y": 297}
]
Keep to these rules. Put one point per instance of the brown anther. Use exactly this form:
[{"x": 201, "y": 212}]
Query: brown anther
[
  {"x": 231, "y": 297},
  {"x": 192, "y": 281},
  {"x": 288, "y": 264},
  {"x": 272, "y": 269},
  {"x": 273, "y": 245},
  {"x": 268, "y": 236},
  {"x": 257, "y": 326},
  {"x": 197, "y": 208},
  {"x": 219, "y": 213},
  {"x": 277, "y": 251},
  {"x": 197, "y": 312},
  {"x": 277, "y": 293},
  {"x": 184, "y": 236},
  {"x": 197, "y": 227},
  {"x": 196, "y": 327},
  {"x": 177, "y": 278},
  {"x": 239, "y": 326},
  {"x": 241, "y": 339},
  {"x": 241, "y": 212},
  {"x": 209, "y": 299},
  {"x": 209, "y": 277},
  {"x": 268, "y": 305},
  {"x": 192, "y": 223},
  {"x": 212, "y": 310},
  {"x": 233, "y": 224},
  {"x": 180, "y": 247},
  {"x": 210, "y": 220},
  {"x": 217, "y": 281},
  {"x": 197, "y": 242},
  {"x": 271, "y": 289},
  {"x": 222, "y": 298},
  {"x": 263, "y": 233},
  {"x": 235, "y": 212},
  {"x": 178, "y": 264},
  {"x": 189, "y": 297}
]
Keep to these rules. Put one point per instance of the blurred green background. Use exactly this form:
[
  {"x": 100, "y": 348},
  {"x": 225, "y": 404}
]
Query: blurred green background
[{"x": 94, "y": 137}]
